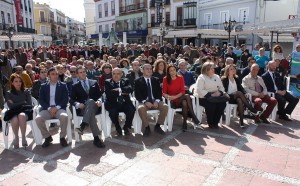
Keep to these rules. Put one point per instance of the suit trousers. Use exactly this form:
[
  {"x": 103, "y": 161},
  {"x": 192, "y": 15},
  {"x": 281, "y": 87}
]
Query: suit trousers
[
  {"x": 267, "y": 99},
  {"x": 163, "y": 111},
  {"x": 292, "y": 102},
  {"x": 129, "y": 111},
  {"x": 44, "y": 115},
  {"x": 213, "y": 111},
  {"x": 88, "y": 114}
]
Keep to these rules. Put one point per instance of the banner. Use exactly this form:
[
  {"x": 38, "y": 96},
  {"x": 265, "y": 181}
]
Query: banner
[
  {"x": 295, "y": 87},
  {"x": 18, "y": 12},
  {"x": 295, "y": 63}
]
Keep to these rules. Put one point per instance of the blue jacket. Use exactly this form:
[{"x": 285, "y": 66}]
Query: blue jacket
[{"x": 61, "y": 95}]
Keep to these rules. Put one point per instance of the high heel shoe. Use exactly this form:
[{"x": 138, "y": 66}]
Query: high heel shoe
[
  {"x": 16, "y": 142},
  {"x": 24, "y": 142},
  {"x": 184, "y": 127},
  {"x": 196, "y": 121}
]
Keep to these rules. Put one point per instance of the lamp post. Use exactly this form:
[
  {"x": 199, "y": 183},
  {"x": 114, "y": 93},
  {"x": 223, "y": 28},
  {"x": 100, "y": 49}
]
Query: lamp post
[
  {"x": 10, "y": 32},
  {"x": 162, "y": 27},
  {"x": 32, "y": 41},
  {"x": 228, "y": 26}
]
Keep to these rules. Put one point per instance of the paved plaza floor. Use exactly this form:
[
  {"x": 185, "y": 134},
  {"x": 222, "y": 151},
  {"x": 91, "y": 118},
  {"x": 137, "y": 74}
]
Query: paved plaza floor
[{"x": 263, "y": 154}]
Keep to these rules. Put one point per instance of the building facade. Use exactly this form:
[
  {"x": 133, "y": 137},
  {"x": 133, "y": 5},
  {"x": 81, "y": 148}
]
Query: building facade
[
  {"x": 178, "y": 17},
  {"x": 90, "y": 17},
  {"x": 59, "y": 27},
  {"x": 75, "y": 31}
]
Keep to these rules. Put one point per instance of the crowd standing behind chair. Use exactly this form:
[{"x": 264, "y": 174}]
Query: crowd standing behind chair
[{"x": 115, "y": 71}]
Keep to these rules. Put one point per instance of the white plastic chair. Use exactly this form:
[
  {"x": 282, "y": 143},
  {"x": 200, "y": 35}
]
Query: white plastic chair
[
  {"x": 230, "y": 108},
  {"x": 200, "y": 110},
  {"x": 31, "y": 123},
  {"x": 106, "y": 127},
  {"x": 138, "y": 123},
  {"x": 172, "y": 111},
  {"x": 264, "y": 105},
  {"x": 78, "y": 119},
  {"x": 48, "y": 122}
]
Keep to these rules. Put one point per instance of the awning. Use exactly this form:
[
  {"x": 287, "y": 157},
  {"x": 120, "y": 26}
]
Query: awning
[{"x": 25, "y": 38}]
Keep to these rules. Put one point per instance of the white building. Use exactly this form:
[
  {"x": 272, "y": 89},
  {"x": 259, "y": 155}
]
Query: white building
[
  {"x": 106, "y": 12},
  {"x": 75, "y": 31},
  {"x": 90, "y": 11},
  {"x": 213, "y": 13}
]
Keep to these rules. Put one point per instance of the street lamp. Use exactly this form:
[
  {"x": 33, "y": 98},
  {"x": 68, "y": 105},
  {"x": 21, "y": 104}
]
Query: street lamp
[
  {"x": 228, "y": 26},
  {"x": 10, "y": 32},
  {"x": 162, "y": 27}
]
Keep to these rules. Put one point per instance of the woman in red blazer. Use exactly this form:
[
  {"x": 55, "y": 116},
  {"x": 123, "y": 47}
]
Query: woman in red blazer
[{"x": 173, "y": 90}]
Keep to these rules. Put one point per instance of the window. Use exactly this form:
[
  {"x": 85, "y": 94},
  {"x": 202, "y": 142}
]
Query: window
[
  {"x": 26, "y": 22},
  {"x": 42, "y": 16},
  {"x": 43, "y": 30},
  {"x": 107, "y": 28},
  {"x": 129, "y": 2},
  {"x": 224, "y": 16},
  {"x": 8, "y": 18},
  {"x": 207, "y": 19},
  {"x": 100, "y": 10},
  {"x": 243, "y": 15},
  {"x": 3, "y": 17},
  {"x": 113, "y": 26},
  {"x": 179, "y": 16},
  {"x": 100, "y": 28},
  {"x": 168, "y": 18},
  {"x": 113, "y": 10},
  {"x": 30, "y": 23},
  {"x": 106, "y": 9}
]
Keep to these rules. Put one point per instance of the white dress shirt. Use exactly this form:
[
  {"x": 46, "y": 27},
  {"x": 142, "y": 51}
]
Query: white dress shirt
[
  {"x": 52, "y": 96},
  {"x": 232, "y": 87},
  {"x": 146, "y": 79}
]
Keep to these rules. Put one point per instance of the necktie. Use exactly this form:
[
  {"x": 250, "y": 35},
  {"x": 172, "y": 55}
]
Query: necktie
[
  {"x": 275, "y": 87},
  {"x": 149, "y": 91},
  {"x": 257, "y": 86},
  {"x": 86, "y": 88}
]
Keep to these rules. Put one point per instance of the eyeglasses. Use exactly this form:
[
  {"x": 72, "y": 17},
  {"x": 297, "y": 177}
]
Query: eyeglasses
[
  {"x": 72, "y": 72},
  {"x": 107, "y": 67}
]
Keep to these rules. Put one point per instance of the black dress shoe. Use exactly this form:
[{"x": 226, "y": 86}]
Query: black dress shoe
[
  {"x": 47, "y": 142},
  {"x": 196, "y": 121},
  {"x": 63, "y": 142},
  {"x": 264, "y": 120},
  {"x": 158, "y": 129},
  {"x": 99, "y": 143},
  {"x": 81, "y": 128},
  {"x": 147, "y": 131},
  {"x": 126, "y": 131},
  {"x": 119, "y": 131},
  {"x": 242, "y": 124},
  {"x": 284, "y": 117}
]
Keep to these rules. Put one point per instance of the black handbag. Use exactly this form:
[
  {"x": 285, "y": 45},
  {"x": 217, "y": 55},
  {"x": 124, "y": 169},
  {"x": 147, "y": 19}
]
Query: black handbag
[
  {"x": 27, "y": 109},
  {"x": 218, "y": 99}
]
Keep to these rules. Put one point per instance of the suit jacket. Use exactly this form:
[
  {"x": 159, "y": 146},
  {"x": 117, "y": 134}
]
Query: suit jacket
[
  {"x": 96, "y": 53},
  {"x": 76, "y": 53},
  {"x": 270, "y": 84},
  {"x": 134, "y": 53},
  {"x": 122, "y": 55},
  {"x": 141, "y": 89},
  {"x": 61, "y": 95},
  {"x": 21, "y": 59},
  {"x": 153, "y": 52},
  {"x": 112, "y": 96},
  {"x": 192, "y": 55},
  {"x": 94, "y": 74},
  {"x": 131, "y": 77},
  {"x": 238, "y": 84},
  {"x": 79, "y": 95},
  {"x": 41, "y": 56},
  {"x": 88, "y": 54},
  {"x": 245, "y": 72},
  {"x": 69, "y": 82}
]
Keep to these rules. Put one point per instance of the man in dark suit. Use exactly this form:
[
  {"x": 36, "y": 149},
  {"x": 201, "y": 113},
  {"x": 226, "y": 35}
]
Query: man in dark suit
[
  {"x": 153, "y": 51},
  {"x": 165, "y": 49},
  {"x": 86, "y": 97},
  {"x": 117, "y": 92},
  {"x": 45, "y": 55},
  {"x": 70, "y": 80},
  {"x": 246, "y": 70},
  {"x": 76, "y": 51},
  {"x": 21, "y": 57},
  {"x": 149, "y": 94},
  {"x": 231, "y": 54},
  {"x": 274, "y": 84},
  {"x": 191, "y": 54},
  {"x": 119, "y": 52},
  {"x": 132, "y": 52},
  {"x": 91, "y": 72},
  {"x": 86, "y": 52},
  {"x": 134, "y": 74},
  {"x": 53, "y": 100},
  {"x": 95, "y": 52}
]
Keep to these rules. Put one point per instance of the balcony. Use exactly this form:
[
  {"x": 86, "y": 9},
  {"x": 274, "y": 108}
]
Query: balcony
[
  {"x": 131, "y": 7},
  {"x": 140, "y": 6},
  {"x": 152, "y": 4},
  {"x": 3, "y": 26},
  {"x": 190, "y": 22},
  {"x": 43, "y": 20},
  {"x": 122, "y": 9},
  {"x": 62, "y": 24},
  {"x": 26, "y": 30}
]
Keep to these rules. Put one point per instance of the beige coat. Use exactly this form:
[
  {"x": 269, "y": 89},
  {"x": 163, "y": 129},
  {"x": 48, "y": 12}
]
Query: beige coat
[{"x": 249, "y": 85}]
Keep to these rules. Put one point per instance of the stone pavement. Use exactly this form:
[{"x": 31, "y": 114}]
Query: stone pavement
[{"x": 264, "y": 154}]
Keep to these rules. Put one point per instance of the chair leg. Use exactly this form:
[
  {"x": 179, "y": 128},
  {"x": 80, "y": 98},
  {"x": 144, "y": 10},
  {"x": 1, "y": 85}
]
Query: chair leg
[
  {"x": 170, "y": 126},
  {"x": 4, "y": 136},
  {"x": 228, "y": 114},
  {"x": 69, "y": 130}
]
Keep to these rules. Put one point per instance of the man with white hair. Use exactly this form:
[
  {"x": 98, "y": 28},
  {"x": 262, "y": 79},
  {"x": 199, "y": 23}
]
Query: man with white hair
[
  {"x": 187, "y": 75},
  {"x": 230, "y": 61},
  {"x": 274, "y": 84}
]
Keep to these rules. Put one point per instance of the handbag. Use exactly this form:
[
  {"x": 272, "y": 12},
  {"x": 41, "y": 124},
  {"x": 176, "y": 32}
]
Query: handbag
[
  {"x": 218, "y": 99},
  {"x": 27, "y": 109}
]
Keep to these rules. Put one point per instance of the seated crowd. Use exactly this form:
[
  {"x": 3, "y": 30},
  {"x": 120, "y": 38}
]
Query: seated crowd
[{"x": 90, "y": 79}]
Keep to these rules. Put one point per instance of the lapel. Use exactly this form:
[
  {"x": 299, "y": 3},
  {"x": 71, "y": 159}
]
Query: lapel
[
  {"x": 57, "y": 91},
  {"x": 48, "y": 91},
  {"x": 80, "y": 87}
]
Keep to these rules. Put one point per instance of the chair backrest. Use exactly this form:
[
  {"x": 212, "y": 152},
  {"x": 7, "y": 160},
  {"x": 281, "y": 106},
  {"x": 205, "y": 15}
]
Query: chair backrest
[{"x": 34, "y": 101}]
